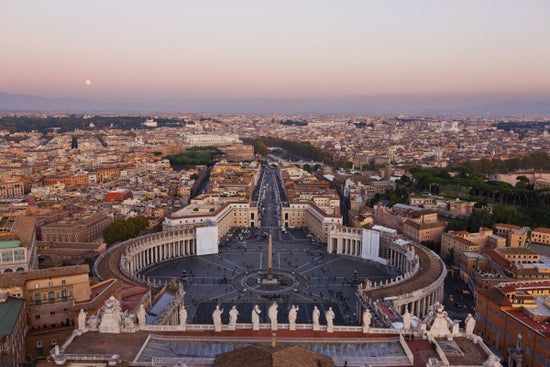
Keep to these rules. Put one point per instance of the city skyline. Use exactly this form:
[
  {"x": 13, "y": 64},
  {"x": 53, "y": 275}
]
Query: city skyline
[{"x": 279, "y": 57}]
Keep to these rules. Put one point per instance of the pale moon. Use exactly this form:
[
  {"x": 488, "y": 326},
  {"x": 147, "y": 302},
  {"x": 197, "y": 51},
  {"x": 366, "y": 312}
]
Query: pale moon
[{"x": 87, "y": 82}]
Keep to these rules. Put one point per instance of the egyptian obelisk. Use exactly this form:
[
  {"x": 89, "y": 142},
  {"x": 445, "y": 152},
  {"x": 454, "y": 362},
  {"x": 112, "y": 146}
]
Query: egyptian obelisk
[{"x": 269, "y": 257}]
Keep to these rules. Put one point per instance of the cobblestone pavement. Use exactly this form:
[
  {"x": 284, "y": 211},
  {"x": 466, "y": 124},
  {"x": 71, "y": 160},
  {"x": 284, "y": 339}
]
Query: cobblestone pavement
[{"x": 330, "y": 280}]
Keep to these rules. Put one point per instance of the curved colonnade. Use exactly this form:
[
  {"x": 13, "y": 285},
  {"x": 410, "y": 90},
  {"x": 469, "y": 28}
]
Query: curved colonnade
[
  {"x": 421, "y": 282},
  {"x": 417, "y": 289},
  {"x": 420, "y": 287},
  {"x": 143, "y": 252},
  {"x": 128, "y": 258}
]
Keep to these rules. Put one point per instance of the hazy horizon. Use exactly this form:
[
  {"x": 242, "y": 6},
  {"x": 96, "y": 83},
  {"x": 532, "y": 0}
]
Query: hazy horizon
[
  {"x": 421, "y": 105},
  {"x": 315, "y": 53}
]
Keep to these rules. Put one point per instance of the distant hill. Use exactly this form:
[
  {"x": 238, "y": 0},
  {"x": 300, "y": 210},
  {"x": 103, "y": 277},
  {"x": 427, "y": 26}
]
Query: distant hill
[
  {"x": 31, "y": 103},
  {"x": 538, "y": 108},
  {"x": 427, "y": 105}
]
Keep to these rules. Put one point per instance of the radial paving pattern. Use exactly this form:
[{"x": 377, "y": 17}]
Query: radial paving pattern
[{"x": 307, "y": 276}]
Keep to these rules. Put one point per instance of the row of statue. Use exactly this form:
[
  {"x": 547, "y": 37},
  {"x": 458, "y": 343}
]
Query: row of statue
[
  {"x": 111, "y": 319},
  {"x": 272, "y": 314}
]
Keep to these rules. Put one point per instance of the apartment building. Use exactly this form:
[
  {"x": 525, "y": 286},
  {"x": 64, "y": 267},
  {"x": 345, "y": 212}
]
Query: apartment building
[
  {"x": 50, "y": 296},
  {"x": 17, "y": 244},
  {"x": 514, "y": 319},
  {"x": 13, "y": 329},
  {"x": 541, "y": 236},
  {"x": 515, "y": 236},
  {"x": 454, "y": 243},
  {"x": 78, "y": 228},
  {"x": 11, "y": 190}
]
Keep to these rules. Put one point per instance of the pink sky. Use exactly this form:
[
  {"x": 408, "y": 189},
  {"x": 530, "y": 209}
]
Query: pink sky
[{"x": 133, "y": 49}]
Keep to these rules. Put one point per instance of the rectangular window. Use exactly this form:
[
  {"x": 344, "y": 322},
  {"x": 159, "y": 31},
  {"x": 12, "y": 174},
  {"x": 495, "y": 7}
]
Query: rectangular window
[
  {"x": 7, "y": 256},
  {"x": 19, "y": 255}
]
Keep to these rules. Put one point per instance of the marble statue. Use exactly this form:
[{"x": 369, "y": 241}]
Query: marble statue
[
  {"x": 256, "y": 317},
  {"x": 315, "y": 318},
  {"x": 92, "y": 323},
  {"x": 129, "y": 324},
  {"x": 110, "y": 317},
  {"x": 329, "y": 315},
  {"x": 492, "y": 361},
  {"x": 141, "y": 316},
  {"x": 470, "y": 323},
  {"x": 367, "y": 317},
  {"x": 183, "y": 317},
  {"x": 292, "y": 315},
  {"x": 217, "y": 318},
  {"x": 233, "y": 314},
  {"x": 82, "y": 320},
  {"x": 406, "y": 319},
  {"x": 272, "y": 313},
  {"x": 438, "y": 323},
  {"x": 117, "y": 310}
]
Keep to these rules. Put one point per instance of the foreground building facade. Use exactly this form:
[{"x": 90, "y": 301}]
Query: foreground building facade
[{"x": 514, "y": 319}]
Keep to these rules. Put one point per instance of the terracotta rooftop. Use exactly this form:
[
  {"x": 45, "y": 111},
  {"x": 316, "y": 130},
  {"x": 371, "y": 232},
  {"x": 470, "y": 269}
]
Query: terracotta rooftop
[
  {"x": 536, "y": 284},
  {"x": 465, "y": 354},
  {"x": 542, "y": 327},
  {"x": 498, "y": 258},
  {"x": 24, "y": 228},
  {"x": 494, "y": 296},
  {"x": 541, "y": 229},
  {"x": 19, "y": 278},
  {"x": 505, "y": 225},
  {"x": 417, "y": 225}
]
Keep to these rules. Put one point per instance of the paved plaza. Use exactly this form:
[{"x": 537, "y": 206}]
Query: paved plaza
[{"x": 307, "y": 276}]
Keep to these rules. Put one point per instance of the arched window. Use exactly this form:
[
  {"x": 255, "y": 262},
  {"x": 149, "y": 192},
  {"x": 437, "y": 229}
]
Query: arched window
[
  {"x": 37, "y": 298},
  {"x": 64, "y": 294},
  {"x": 51, "y": 296}
]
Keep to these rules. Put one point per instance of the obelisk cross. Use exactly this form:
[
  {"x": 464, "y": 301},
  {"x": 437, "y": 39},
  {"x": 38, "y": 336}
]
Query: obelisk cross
[{"x": 269, "y": 257}]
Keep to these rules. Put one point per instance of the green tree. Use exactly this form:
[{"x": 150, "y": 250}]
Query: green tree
[
  {"x": 480, "y": 218},
  {"x": 434, "y": 246},
  {"x": 260, "y": 148},
  {"x": 124, "y": 229},
  {"x": 348, "y": 164},
  {"x": 522, "y": 182},
  {"x": 450, "y": 256}
]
